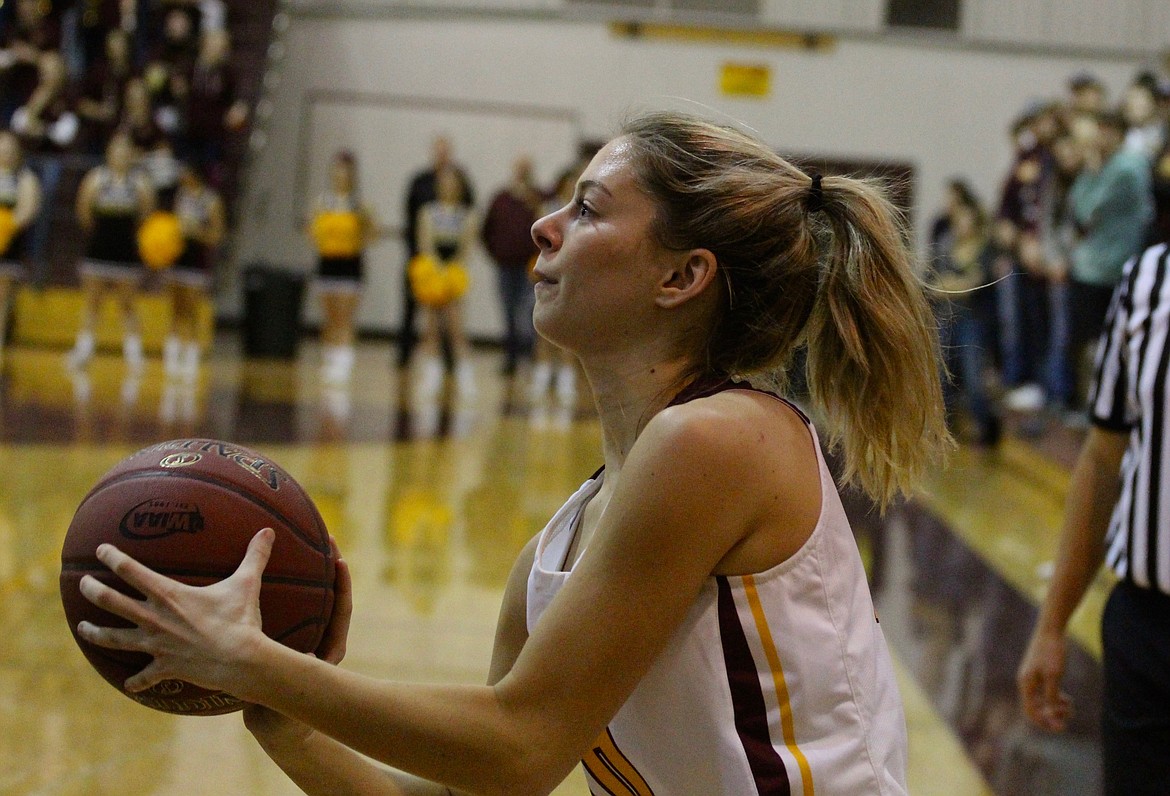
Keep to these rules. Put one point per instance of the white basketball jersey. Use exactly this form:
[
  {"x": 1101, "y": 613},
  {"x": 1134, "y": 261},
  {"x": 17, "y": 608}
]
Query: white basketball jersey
[{"x": 775, "y": 683}]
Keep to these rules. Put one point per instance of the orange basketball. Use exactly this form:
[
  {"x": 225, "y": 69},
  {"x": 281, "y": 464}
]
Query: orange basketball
[{"x": 188, "y": 509}]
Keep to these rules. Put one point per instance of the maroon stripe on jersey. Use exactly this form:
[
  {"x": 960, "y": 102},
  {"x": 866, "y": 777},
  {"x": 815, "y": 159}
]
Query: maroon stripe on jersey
[{"x": 747, "y": 699}]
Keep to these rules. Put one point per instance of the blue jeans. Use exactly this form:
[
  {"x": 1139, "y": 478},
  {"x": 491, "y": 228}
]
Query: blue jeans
[
  {"x": 49, "y": 169},
  {"x": 1058, "y": 381},
  {"x": 963, "y": 336},
  {"x": 517, "y": 298}
]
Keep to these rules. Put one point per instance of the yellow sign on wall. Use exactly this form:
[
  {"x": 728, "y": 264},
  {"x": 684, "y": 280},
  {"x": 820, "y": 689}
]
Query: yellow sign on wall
[{"x": 745, "y": 80}]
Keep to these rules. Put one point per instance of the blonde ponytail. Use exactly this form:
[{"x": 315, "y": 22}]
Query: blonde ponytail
[
  {"x": 834, "y": 272},
  {"x": 873, "y": 358}
]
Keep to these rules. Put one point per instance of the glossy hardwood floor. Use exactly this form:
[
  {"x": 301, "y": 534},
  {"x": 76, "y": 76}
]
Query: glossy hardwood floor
[{"x": 431, "y": 504}]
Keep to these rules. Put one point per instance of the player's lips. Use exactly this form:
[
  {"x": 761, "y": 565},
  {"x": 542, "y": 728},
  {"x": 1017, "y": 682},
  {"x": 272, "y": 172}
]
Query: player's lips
[{"x": 543, "y": 277}]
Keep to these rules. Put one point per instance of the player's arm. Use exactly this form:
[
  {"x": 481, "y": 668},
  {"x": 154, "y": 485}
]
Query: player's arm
[
  {"x": 1093, "y": 491},
  {"x": 320, "y": 765},
  {"x": 691, "y": 489},
  {"x": 684, "y": 499}
]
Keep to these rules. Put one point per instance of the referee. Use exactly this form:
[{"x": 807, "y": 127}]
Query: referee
[{"x": 1118, "y": 512}]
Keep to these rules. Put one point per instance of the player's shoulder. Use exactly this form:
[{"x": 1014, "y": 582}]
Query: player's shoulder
[{"x": 733, "y": 426}]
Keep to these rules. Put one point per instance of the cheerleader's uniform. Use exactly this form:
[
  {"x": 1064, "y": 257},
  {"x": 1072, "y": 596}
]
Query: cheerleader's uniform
[
  {"x": 193, "y": 268},
  {"x": 112, "y": 250},
  {"x": 340, "y": 274}
]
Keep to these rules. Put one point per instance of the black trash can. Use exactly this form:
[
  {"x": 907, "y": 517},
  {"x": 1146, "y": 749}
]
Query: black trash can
[{"x": 272, "y": 311}]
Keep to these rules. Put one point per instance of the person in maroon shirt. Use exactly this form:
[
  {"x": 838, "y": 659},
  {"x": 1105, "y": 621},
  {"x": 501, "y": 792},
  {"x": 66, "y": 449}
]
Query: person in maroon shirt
[{"x": 507, "y": 236}]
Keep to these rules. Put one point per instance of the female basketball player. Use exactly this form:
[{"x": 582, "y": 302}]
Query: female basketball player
[
  {"x": 695, "y": 620},
  {"x": 342, "y": 227},
  {"x": 20, "y": 196},
  {"x": 111, "y": 202},
  {"x": 201, "y": 214}
]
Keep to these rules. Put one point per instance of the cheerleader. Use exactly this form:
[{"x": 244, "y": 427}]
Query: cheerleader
[
  {"x": 20, "y": 201},
  {"x": 446, "y": 230},
  {"x": 341, "y": 228},
  {"x": 201, "y": 217},
  {"x": 111, "y": 202}
]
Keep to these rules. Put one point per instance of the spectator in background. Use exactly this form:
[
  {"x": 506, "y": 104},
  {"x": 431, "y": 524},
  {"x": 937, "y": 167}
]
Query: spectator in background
[
  {"x": 154, "y": 149},
  {"x": 48, "y": 128},
  {"x": 1023, "y": 299},
  {"x": 1086, "y": 99},
  {"x": 20, "y": 196},
  {"x": 168, "y": 72},
  {"x": 1146, "y": 129},
  {"x": 422, "y": 191},
  {"x": 99, "y": 104},
  {"x": 1111, "y": 203},
  {"x": 33, "y": 32},
  {"x": 96, "y": 20},
  {"x": 962, "y": 264},
  {"x": 507, "y": 236},
  {"x": 1058, "y": 238},
  {"x": 213, "y": 110}
]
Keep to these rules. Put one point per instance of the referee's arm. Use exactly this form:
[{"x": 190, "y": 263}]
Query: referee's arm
[{"x": 1093, "y": 491}]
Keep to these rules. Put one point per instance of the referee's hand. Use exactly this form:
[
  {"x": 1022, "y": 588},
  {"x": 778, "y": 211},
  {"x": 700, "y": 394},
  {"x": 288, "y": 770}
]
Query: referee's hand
[{"x": 1038, "y": 681}]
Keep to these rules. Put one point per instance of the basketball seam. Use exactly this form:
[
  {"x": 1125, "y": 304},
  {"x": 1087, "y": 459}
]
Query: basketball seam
[
  {"x": 317, "y": 547},
  {"x": 172, "y": 572}
]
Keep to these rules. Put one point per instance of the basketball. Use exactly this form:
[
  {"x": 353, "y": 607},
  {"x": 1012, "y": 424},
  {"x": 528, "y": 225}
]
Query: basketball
[{"x": 188, "y": 509}]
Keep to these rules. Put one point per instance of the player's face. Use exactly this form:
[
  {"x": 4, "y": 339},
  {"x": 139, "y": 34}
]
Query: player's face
[{"x": 599, "y": 265}]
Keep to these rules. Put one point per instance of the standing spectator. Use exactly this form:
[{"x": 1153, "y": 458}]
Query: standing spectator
[
  {"x": 1116, "y": 513},
  {"x": 342, "y": 226},
  {"x": 111, "y": 202},
  {"x": 422, "y": 191},
  {"x": 1058, "y": 239},
  {"x": 1146, "y": 130},
  {"x": 168, "y": 73},
  {"x": 99, "y": 104},
  {"x": 96, "y": 20},
  {"x": 961, "y": 266},
  {"x": 213, "y": 110},
  {"x": 20, "y": 198},
  {"x": 48, "y": 128},
  {"x": 1023, "y": 300},
  {"x": 1112, "y": 205},
  {"x": 507, "y": 236}
]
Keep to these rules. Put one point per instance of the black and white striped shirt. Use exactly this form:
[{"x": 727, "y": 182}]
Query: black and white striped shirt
[{"x": 1130, "y": 393}]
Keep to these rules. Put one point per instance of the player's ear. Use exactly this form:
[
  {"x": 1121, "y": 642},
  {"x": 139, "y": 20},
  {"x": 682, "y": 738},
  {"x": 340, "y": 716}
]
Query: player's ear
[{"x": 691, "y": 274}]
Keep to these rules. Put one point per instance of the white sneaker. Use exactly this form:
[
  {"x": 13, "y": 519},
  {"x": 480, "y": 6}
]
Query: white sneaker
[
  {"x": 1025, "y": 398},
  {"x": 189, "y": 365},
  {"x": 82, "y": 351},
  {"x": 429, "y": 378},
  {"x": 541, "y": 379},
  {"x": 132, "y": 352},
  {"x": 172, "y": 353},
  {"x": 465, "y": 380},
  {"x": 567, "y": 385}
]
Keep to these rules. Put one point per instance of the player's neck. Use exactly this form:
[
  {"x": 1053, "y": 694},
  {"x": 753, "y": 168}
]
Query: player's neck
[{"x": 628, "y": 392}]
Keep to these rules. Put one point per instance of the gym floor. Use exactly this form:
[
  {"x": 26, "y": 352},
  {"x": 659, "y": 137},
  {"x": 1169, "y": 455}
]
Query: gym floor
[{"x": 430, "y": 504}]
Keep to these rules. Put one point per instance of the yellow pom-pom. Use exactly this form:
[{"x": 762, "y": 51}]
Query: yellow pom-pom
[
  {"x": 7, "y": 229},
  {"x": 337, "y": 234},
  {"x": 457, "y": 279},
  {"x": 160, "y": 240}
]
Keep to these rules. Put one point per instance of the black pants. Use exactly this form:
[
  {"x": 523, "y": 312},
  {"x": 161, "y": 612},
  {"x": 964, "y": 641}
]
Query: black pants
[
  {"x": 1088, "y": 305},
  {"x": 1135, "y": 731}
]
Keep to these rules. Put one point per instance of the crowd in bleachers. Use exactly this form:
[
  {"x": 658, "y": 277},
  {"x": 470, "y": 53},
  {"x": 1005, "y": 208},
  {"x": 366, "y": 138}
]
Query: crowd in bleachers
[
  {"x": 1087, "y": 190},
  {"x": 72, "y": 72}
]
